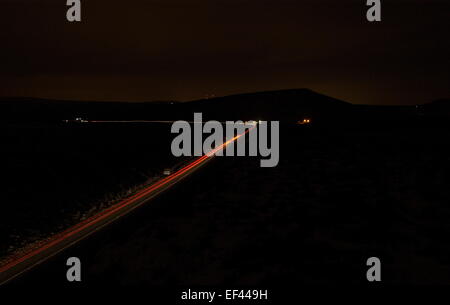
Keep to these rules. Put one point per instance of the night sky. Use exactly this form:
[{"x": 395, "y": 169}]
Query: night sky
[{"x": 143, "y": 50}]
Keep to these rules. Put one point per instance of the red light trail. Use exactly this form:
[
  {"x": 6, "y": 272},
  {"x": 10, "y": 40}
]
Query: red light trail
[{"x": 90, "y": 225}]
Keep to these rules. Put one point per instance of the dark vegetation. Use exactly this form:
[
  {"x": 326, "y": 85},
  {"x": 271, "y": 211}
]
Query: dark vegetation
[
  {"x": 359, "y": 181},
  {"x": 53, "y": 174}
]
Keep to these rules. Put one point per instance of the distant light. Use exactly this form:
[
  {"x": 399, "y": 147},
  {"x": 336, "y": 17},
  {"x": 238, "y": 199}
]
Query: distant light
[{"x": 304, "y": 122}]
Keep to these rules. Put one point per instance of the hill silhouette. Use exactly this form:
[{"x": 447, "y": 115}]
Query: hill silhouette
[
  {"x": 439, "y": 107},
  {"x": 45, "y": 110},
  {"x": 285, "y": 105}
]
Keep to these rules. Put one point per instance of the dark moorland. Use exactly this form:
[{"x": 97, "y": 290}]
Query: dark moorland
[{"x": 360, "y": 181}]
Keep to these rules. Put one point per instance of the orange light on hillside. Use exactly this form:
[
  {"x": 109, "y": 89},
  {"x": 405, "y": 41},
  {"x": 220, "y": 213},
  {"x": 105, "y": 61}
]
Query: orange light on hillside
[{"x": 304, "y": 122}]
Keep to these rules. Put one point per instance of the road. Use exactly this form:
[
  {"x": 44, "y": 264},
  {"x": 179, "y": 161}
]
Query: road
[{"x": 19, "y": 265}]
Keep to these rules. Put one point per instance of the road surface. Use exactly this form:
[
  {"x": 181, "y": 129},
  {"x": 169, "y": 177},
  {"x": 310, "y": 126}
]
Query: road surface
[{"x": 19, "y": 265}]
